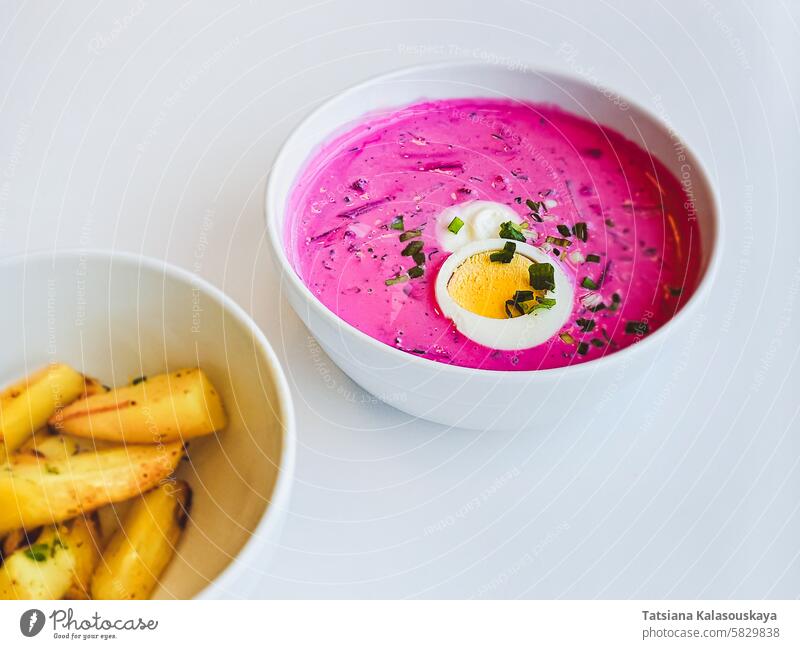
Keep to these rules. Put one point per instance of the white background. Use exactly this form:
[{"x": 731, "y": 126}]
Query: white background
[{"x": 151, "y": 126}]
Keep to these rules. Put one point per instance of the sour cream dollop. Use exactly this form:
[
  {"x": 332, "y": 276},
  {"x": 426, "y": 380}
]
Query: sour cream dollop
[{"x": 481, "y": 220}]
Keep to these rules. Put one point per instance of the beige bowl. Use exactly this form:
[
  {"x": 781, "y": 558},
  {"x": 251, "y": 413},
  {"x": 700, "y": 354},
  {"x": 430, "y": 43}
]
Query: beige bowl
[{"x": 118, "y": 316}]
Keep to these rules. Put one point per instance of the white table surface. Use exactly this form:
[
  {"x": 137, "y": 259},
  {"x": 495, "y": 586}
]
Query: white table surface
[{"x": 151, "y": 127}]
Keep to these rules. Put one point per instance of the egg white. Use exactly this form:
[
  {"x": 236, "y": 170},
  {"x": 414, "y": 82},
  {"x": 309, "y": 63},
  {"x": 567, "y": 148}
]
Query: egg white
[{"x": 522, "y": 332}]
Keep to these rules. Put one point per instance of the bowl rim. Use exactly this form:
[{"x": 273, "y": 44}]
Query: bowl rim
[
  {"x": 272, "y": 210},
  {"x": 271, "y": 519}
]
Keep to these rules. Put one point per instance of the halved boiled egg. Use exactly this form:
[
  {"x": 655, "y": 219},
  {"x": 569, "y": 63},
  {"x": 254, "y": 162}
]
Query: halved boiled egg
[{"x": 490, "y": 297}]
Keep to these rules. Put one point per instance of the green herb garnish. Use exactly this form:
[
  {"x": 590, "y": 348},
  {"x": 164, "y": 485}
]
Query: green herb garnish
[
  {"x": 412, "y": 249},
  {"x": 595, "y": 259},
  {"x": 563, "y": 230},
  {"x": 589, "y": 283},
  {"x": 583, "y": 349},
  {"x": 138, "y": 380},
  {"x": 397, "y": 223},
  {"x": 597, "y": 342},
  {"x": 525, "y": 302},
  {"x": 419, "y": 258},
  {"x": 567, "y": 338},
  {"x": 564, "y": 243},
  {"x": 455, "y": 225},
  {"x": 542, "y": 277},
  {"x": 37, "y": 552},
  {"x": 396, "y": 280},
  {"x": 510, "y": 230},
  {"x": 675, "y": 291},
  {"x": 596, "y": 307},
  {"x": 637, "y": 328},
  {"x": 535, "y": 207},
  {"x": 505, "y": 255},
  {"x": 580, "y": 230},
  {"x": 410, "y": 234},
  {"x": 585, "y": 324},
  {"x": 415, "y": 272}
]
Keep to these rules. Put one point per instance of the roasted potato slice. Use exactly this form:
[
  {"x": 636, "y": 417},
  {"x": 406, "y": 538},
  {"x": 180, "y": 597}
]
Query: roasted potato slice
[
  {"x": 165, "y": 408},
  {"x": 27, "y": 405},
  {"x": 93, "y": 386},
  {"x": 43, "y": 570},
  {"x": 36, "y": 491},
  {"x": 141, "y": 549},
  {"x": 84, "y": 543},
  {"x": 46, "y": 445}
]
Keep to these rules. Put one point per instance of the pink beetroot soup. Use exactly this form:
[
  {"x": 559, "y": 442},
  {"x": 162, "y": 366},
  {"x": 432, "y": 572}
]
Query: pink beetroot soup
[{"x": 395, "y": 171}]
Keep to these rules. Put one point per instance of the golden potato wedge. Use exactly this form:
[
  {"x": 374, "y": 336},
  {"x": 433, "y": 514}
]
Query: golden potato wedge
[
  {"x": 44, "y": 444},
  {"x": 84, "y": 543},
  {"x": 28, "y": 404},
  {"x": 93, "y": 386},
  {"x": 141, "y": 549},
  {"x": 36, "y": 491},
  {"x": 165, "y": 408},
  {"x": 43, "y": 570}
]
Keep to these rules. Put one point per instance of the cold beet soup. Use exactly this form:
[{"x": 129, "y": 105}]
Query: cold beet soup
[{"x": 493, "y": 234}]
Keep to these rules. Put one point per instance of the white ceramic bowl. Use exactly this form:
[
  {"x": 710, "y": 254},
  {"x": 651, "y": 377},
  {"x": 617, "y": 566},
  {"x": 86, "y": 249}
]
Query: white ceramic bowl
[
  {"x": 459, "y": 396},
  {"x": 117, "y": 316}
]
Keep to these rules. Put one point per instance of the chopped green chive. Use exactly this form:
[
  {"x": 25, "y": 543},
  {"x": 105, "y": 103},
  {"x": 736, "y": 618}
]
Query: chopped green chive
[
  {"x": 523, "y": 296},
  {"x": 597, "y": 342},
  {"x": 510, "y": 230},
  {"x": 637, "y": 328},
  {"x": 412, "y": 249},
  {"x": 37, "y": 552},
  {"x": 583, "y": 349},
  {"x": 585, "y": 324},
  {"x": 455, "y": 225},
  {"x": 419, "y": 258},
  {"x": 580, "y": 230},
  {"x": 396, "y": 280},
  {"x": 567, "y": 338},
  {"x": 525, "y": 302},
  {"x": 589, "y": 283},
  {"x": 542, "y": 277},
  {"x": 596, "y": 307},
  {"x": 535, "y": 207},
  {"x": 410, "y": 234},
  {"x": 675, "y": 291},
  {"x": 544, "y": 303},
  {"x": 595, "y": 259},
  {"x": 564, "y": 243},
  {"x": 616, "y": 300},
  {"x": 505, "y": 255},
  {"x": 563, "y": 230},
  {"x": 397, "y": 223},
  {"x": 415, "y": 272}
]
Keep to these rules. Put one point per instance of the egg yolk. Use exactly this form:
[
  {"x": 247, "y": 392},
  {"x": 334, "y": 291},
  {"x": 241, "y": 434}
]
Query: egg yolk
[{"x": 482, "y": 286}]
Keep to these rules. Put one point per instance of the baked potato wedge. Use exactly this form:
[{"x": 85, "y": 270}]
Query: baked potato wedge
[
  {"x": 26, "y": 405},
  {"x": 35, "y": 491},
  {"x": 45, "y": 445},
  {"x": 84, "y": 543},
  {"x": 165, "y": 408},
  {"x": 141, "y": 549}
]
